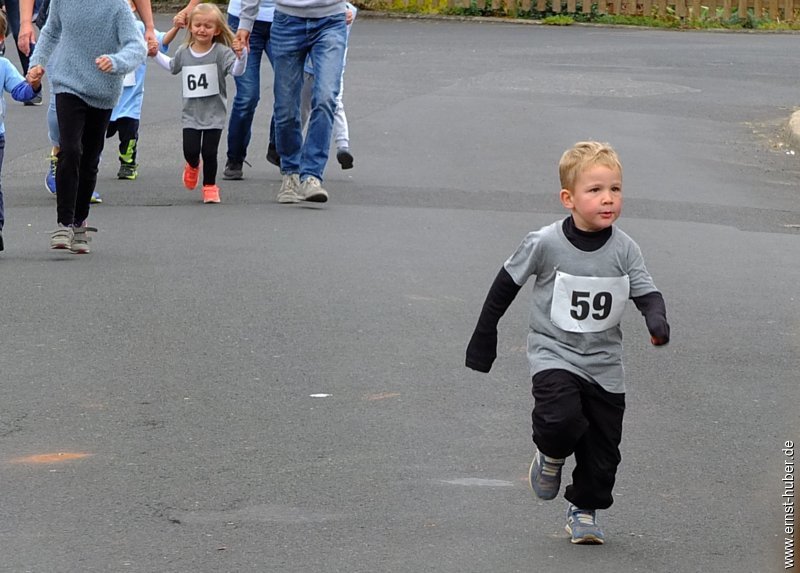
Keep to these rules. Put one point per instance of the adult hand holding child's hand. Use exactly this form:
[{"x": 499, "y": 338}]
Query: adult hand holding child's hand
[{"x": 34, "y": 74}]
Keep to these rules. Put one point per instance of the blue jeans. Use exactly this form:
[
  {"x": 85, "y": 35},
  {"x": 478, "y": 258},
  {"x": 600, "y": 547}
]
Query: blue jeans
[
  {"x": 248, "y": 88},
  {"x": 2, "y": 155},
  {"x": 52, "y": 117},
  {"x": 293, "y": 39}
]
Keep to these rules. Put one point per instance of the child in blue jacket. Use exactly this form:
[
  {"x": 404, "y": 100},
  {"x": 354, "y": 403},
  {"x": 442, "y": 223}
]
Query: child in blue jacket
[
  {"x": 20, "y": 90},
  {"x": 127, "y": 113}
]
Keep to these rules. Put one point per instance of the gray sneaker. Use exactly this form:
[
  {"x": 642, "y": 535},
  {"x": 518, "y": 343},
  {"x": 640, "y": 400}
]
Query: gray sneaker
[
  {"x": 545, "y": 475},
  {"x": 80, "y": 240},
  {"x": 290, "y": 189},
  {"x": 36, "y": 100},
  {"x": 61, "y": 238},
  {"x": 233, "y": 170},
  {"x": 582, "y": 526},
  {"x": 312, "y": 190}
]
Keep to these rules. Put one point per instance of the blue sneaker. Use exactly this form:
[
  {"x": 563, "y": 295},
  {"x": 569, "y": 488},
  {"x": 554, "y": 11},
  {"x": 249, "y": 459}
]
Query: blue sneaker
[
  {"x": 50, "y": 178},
  {"x": 545, "y": 475},
  {"x": 96, "y": 197},
  {"x": 582, "y": 526}
]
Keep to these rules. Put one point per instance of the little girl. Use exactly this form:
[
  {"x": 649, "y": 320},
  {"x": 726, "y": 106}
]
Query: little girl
[{"x": 209, "y": 53}]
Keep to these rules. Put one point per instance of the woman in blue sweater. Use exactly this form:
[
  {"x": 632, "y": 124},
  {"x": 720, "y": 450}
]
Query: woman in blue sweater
[{"x": 87, "y": 73}]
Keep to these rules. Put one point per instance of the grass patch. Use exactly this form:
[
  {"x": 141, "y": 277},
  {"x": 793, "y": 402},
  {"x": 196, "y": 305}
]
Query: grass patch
[{"x": 559, "y": 20}]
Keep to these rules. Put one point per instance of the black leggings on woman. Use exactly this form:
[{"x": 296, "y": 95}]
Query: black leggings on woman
[
  {"x": 82, "y": 135},
  {"x": 205, "y": 142}
]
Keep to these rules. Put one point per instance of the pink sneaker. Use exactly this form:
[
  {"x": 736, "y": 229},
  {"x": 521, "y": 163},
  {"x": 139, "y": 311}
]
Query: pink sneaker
[
  {"x": 190, "y": 175},
  {"x": 210, "y": 194}
]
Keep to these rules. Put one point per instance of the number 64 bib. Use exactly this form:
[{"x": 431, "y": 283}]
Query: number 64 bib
[
  {"x": 200, "y": 81},
  {"x": 588, "y": 304}
]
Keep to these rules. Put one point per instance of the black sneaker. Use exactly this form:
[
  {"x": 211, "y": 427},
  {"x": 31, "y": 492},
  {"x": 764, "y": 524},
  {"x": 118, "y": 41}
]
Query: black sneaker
[
  {"x": 233, "y": 170},
  {"x": 344, "y": 157},
  {"x": 1, "y": 241},
  {"x": 272, "y": 155}
]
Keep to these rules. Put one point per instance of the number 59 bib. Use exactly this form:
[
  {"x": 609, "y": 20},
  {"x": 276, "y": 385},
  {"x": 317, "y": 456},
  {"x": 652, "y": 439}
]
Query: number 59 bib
[
  {"x": 200, "y": 81},
  {"x": 588, "y": 304}
]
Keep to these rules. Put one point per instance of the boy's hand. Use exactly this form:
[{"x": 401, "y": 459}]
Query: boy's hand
[
  {"x": 104, "y": 64},
  {"x": 658, "y": 327},
  {"x": 34, "y": 74},
  {"x": 36, "y": 85}
]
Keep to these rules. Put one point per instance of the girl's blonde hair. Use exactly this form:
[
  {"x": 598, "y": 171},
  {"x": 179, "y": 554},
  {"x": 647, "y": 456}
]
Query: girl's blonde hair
[
  {"x": 225, "y": 35},
  {"x": 582, "y": 155}
]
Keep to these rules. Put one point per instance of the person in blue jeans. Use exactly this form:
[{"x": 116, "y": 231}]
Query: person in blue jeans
[
  {"x": 301, "y": 28},
  {"x": 12, "y": 15},
  {"x": 251, "y": 22}
]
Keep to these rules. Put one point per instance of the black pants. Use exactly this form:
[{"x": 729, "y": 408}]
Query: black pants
[
  {"x": 574, "y": 416},
  {"x": 128, "y": 129},
  {"x": 82, "y": 136},
  {"x": 205, "y": 142}
]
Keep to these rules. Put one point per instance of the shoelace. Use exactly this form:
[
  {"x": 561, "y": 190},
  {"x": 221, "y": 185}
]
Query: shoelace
[
  {"x": 584, "y": 517},
  {"x": 549, "y": 468},
  {"x": 84, "y": 232}
]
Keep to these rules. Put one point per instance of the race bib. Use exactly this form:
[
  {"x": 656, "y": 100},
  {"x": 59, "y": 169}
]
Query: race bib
[
  {"x": 200, "y": 81},
  {"x": 129, "y": 79},
  {"x": 588, "y": 304}
]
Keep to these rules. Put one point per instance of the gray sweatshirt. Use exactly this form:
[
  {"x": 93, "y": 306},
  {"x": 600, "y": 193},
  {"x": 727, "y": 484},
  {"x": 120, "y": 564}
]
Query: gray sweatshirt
[
  {"x": 308, "y": 8},
  {"x": 578, "y": 300}
]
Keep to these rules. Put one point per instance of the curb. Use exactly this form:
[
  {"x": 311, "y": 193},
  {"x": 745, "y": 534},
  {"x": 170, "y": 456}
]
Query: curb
[{"x": 793, "y": 129}]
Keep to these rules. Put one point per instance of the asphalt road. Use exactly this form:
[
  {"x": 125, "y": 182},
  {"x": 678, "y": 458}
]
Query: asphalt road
[{"x": 255, "y": 387}]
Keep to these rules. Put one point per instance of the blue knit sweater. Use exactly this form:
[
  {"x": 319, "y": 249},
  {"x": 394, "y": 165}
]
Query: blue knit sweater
[{"x": 84, "y": 31}]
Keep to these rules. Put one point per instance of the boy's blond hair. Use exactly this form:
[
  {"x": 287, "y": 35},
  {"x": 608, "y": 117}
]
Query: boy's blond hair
[
  {"x": 3, "y": 23},
  {"x": 582, "y": 155},
  {"x": 225, "y": 35}
]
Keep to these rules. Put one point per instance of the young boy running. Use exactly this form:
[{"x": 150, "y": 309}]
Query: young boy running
[
  {"x": 126, "y": 115},
  {"x": 584, "y": 270}
]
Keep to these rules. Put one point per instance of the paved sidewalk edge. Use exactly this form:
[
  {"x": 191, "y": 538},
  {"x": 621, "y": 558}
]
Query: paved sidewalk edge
[{"x": 793, "y": 129}]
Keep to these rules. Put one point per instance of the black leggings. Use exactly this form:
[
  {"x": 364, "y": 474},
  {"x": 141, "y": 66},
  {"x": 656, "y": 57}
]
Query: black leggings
[
  {"x": 574, "y": 416},
  {"x": 82, "y": 135},
  {"x": 205, "y": 142}
]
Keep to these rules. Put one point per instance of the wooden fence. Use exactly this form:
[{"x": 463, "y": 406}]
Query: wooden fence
[{"x": 776, "y": 10}]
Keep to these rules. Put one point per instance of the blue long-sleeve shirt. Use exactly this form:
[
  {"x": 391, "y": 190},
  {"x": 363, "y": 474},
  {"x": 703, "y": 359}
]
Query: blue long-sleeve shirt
[
  {"x": 84, "y": 31},
  {"x": 13, "y": 83}
]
